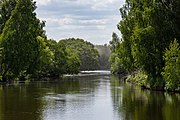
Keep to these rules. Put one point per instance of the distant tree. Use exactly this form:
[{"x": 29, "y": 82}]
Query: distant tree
[
  {"x": 54, "y": 66},
  {"x": 73, "y": 62},
  {"x": 88, "y": 55},
  {"x": 104, "y": 54},
  {"x": 56, "y": 59},
  {"x": 114, "y": 43}
]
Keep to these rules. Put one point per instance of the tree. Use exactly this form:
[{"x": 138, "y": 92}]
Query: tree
[
  {"x": 19, "y": 41},
  {"x": 86, "y": 51},
  {"x": 173, "y": 7},
  {"x": 114, "y": 43},
  {"x": 54, "y": 66},
  {"x": 56, "y": 59},
  {"x": 118, "y": 59},
  {"x": 46, "y": 57},
  {"x": 104, "y": 54},
  {"x": 6, "y": 8},
  {"x": 147, "y": 29},
  {"x": 73, "y": 62},
  {"x": 171, "y": 72},
  {"x": 153, "y": 30},
  {"x": 116, "y": 64},
  {"x": 126, "y": 26}
]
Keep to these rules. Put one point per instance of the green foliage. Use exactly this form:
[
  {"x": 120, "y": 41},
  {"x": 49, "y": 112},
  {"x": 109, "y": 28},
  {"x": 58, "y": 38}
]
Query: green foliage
[
  {"x": 115, "y": 59},
  {"x": 56, "y": 59},
  {"x": 114, "y": 43},
  {"x": 147, "y": 29},
  {"x": 88, "y": 55},
  {"x": 45, "y": 59},
  {"x": 6, "y": 8},
  {"x": 115, "y": 63},
  {"x": 140, "y": 78},
  {"x": 19, "y": 41},
  {"x": 24, "y": 48},
  {"x": 26, "y": 52},
  {"x": 73, "y": 62},
  {"x": 121, "y": 57},
  {"x": 171, "y": 72}
]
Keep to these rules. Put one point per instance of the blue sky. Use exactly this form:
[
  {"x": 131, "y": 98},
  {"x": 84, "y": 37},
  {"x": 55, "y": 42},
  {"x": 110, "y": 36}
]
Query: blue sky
[{"x": 91, "y": 20}]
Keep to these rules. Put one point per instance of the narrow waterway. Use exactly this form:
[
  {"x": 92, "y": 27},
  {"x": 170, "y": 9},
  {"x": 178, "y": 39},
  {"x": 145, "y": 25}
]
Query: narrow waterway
[{"x": 87, "y": 96}]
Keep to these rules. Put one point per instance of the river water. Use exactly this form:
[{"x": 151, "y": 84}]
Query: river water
[{"x": 87, "y": 96}]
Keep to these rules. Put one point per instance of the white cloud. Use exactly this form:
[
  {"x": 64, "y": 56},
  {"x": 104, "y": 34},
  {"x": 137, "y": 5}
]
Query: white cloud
[
  {"x": 54, "y": 22},
  {"x": 93, "y": 20},
  {"x": 43, "y": 2}
]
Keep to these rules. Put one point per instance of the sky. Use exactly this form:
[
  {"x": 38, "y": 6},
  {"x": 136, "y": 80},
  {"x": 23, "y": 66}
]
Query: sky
[{"x": 91, "y": 20}]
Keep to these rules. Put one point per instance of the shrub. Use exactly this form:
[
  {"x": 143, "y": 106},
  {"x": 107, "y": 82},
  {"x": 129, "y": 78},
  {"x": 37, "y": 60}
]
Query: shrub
[
  {"x": 171, "y": 72},
  {"x": 139, "y": 78}
]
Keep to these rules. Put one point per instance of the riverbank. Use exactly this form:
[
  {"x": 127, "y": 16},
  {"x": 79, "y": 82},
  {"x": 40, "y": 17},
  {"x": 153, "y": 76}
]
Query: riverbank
[{"x": 140, "y": 79}]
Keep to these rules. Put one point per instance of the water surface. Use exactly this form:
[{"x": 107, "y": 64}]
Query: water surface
[{"x": 88, "y": 96}]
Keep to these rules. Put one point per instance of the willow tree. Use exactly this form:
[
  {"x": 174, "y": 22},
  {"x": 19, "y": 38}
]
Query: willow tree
[{"x": 19, "y": 41}]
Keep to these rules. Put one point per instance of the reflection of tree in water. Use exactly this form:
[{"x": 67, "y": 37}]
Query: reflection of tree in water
[
  {"x": 132, "y": 103},
  {"x": 18, "y": 103},
  {"x": 75, "y": 84},
  {"x": 172, "y": 107},
  {"x": 28, "y": 102}
]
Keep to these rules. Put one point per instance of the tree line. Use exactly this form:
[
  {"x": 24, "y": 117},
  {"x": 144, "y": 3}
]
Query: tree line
[
  {"x": 26, "y": 53},
  {"x": 149, "y": 48}
]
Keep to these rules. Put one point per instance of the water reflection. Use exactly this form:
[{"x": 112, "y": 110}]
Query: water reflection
[
  {"x": 16, "y": 103},
  {"x": 91, "y": 102},
  {"x": 133, "y": 103},
  {"x": 86, "y": 97}
]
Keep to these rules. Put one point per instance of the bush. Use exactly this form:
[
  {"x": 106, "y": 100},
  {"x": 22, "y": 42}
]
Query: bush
[
  {"x": 139, "y": 78},
  {"x": 171, "y": 72}
]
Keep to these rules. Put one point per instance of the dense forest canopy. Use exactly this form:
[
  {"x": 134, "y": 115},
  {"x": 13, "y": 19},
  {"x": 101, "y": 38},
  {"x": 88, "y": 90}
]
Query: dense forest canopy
[{"x": 148, "y": 29}]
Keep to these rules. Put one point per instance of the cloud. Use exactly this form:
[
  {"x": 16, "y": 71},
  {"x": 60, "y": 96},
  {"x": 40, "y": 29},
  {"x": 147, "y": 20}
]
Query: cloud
[
  {"x": 43, "y": 2},
  {"x": 93, "y": 20}
]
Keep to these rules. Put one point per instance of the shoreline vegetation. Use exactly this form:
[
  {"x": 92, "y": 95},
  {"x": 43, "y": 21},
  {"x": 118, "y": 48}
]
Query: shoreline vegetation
[
  {"x": 149, "y": 50},
  {"x": 27, "y": 54},
  {"x": 140, "y": 79}
]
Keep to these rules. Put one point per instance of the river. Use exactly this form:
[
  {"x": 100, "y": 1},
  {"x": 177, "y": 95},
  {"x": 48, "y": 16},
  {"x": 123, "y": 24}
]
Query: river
[{"x": 87, "y": 96}]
